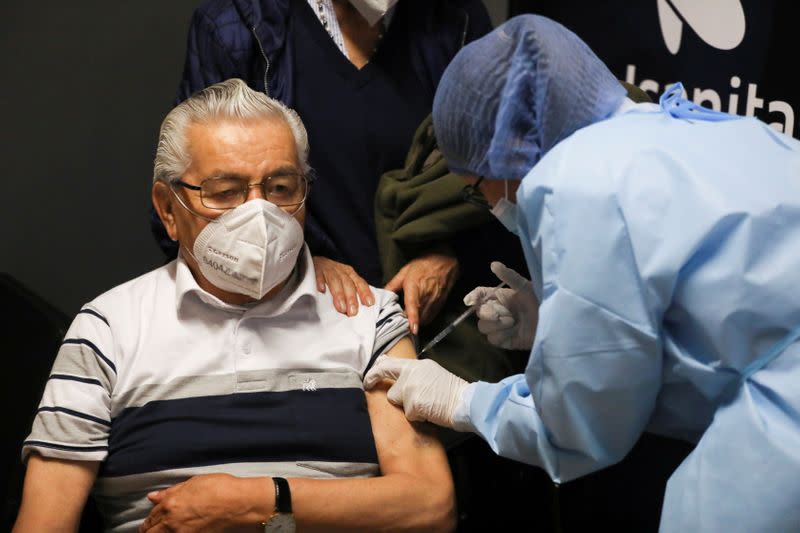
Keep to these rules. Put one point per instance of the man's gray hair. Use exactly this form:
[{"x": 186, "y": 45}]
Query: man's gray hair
[{"x": 227, "y": 100}]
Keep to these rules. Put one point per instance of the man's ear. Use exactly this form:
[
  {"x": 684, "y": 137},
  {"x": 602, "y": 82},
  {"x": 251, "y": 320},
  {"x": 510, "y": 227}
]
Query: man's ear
[{"x": 164, "y": 202}]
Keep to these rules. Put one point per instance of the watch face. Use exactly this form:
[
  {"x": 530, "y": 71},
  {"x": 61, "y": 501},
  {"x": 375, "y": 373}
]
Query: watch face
[{"x": 283, "y": 522}]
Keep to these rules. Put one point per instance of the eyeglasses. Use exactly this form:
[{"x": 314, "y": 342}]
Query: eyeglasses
[
  {"x": 284, "y": 190},
  {"x": 471, "y": 194}
]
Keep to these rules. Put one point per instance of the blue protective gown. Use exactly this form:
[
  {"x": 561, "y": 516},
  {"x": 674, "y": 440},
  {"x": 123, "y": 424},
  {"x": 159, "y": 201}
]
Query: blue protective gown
[{"x": 665, "y": 252}]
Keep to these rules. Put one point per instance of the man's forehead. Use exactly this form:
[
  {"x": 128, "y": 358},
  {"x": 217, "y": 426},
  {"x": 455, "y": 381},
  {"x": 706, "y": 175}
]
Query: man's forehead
[
  {"x": 255, "y": 125},
  {"x": 235, "y": 146}
]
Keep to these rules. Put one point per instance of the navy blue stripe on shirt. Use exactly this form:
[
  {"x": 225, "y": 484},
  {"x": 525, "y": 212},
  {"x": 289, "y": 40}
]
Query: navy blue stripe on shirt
[
  {"x": 94, "y": 348},
  {"x": 76, "y": 414},
  {"x": 322, "y": 425},
  {"x": 44, "y": 444},
  {"x": 371, "y": 362},
  {"x": 76, "y": 378},
  {"x": 380, "y": 322},
  {"x": 95, "y": 313}
]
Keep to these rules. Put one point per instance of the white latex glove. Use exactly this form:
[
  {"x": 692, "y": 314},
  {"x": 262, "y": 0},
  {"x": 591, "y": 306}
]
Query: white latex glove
[
  {"x": 507, "y": 317},
  {"x": 425, "y": 390}
]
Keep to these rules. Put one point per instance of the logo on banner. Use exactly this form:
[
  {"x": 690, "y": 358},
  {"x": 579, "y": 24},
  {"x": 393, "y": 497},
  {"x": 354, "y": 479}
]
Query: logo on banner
[{"x": 719, "y": 23}]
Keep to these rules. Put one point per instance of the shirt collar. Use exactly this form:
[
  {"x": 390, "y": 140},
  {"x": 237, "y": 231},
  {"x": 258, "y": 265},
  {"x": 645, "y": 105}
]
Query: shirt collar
[{"x": 301, "y": 285}]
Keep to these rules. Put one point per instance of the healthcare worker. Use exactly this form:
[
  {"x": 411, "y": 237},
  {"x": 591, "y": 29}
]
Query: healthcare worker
[{"x": 663, "y": 242}]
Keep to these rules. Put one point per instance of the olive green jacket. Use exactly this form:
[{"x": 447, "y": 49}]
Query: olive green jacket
[{"x": 420, "y": 209}]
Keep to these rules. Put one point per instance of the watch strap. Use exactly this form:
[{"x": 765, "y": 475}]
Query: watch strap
[{"x": 283, "y": 496}]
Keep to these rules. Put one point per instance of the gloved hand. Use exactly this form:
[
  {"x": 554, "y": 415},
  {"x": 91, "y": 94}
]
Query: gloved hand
[
  {"x": 425, "y": 390},
  {"x": 507, "y": 317}
]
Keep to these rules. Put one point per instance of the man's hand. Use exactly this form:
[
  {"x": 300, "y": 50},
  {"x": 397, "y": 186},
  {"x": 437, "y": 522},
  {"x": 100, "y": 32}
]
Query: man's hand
[
  {"x": 344, "y": 283},
  {"x": 209, "y": 503},
  {"x": 508, "y": 317},
  {"x": 426, "y": 282},
  {"x": 425, "y": 390}
]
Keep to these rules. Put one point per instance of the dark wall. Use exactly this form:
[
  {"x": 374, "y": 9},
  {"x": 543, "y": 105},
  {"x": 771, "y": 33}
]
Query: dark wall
[{"x": 84, "y": 88}]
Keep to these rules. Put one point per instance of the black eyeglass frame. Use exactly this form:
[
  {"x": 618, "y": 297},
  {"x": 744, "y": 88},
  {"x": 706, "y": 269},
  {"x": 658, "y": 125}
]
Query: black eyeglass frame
[{"x": 471, "y": 194}]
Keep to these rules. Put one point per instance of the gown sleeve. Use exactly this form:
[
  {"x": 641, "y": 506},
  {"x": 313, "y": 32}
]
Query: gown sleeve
[{"x": 594, "y": 373}]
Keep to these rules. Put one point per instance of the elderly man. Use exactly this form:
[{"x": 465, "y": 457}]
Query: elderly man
[{"x": 188, "y": 395}]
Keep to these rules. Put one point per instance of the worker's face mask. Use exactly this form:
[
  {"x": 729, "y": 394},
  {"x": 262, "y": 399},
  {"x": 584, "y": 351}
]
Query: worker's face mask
[
  {"x": 250, "y": 249},
  {"x": 373, "y": 10},
  {"x": 506, "y": 212}
]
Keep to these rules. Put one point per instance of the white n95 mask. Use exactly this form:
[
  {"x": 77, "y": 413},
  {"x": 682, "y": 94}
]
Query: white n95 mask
[
  {"x": 250, "y": 249},
  {"x": 373, "y": 10}
]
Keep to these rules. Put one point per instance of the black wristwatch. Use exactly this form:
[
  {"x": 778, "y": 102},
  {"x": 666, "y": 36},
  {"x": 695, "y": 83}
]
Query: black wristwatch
[{"x": 282, "y": 518}]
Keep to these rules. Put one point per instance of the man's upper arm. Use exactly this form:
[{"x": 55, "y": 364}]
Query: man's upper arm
[
  {"x": 404, "y": 446},
  {"x": 69, "y": 437},
  {"x": 54, "y": 494},
  {"x": 403, "y": 348}
]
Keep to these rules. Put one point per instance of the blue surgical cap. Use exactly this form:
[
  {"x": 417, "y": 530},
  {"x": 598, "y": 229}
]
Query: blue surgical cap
[{"x": 510, "y": 96}]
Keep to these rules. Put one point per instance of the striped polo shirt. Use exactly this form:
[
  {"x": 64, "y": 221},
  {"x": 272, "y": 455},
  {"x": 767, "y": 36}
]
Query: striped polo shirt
[{"x": 161, "y": 381}]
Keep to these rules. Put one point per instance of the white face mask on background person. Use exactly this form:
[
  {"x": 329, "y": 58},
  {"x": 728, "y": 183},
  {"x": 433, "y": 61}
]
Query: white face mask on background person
[
  {"x": 250, "y": 249},
  {"x": 373, "y": 10},
  {"x": 506, "y": 212}
]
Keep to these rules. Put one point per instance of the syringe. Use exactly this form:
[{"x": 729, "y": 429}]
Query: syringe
[{"x": 459, "y": 319}]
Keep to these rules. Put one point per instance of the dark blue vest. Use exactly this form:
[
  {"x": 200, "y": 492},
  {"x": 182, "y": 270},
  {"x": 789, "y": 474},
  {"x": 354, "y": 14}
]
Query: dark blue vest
[{"x": 360, "y": 124}]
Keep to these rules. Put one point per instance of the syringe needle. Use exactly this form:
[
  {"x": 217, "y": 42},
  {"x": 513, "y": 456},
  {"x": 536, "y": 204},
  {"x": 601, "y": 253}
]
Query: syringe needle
[{"x": 460, "y": 318}]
